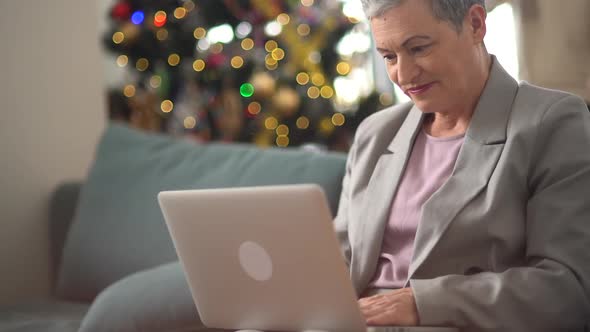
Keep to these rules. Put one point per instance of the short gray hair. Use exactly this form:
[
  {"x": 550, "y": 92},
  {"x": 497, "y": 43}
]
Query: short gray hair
[{"x": 452, "y": 11}]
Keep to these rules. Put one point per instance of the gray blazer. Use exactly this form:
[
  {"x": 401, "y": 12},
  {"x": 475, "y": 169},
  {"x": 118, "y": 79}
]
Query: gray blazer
[{"x": 503, "y": 244}]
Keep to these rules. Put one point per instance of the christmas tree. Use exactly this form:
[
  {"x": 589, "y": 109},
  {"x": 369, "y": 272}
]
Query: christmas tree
[{"x": 271, "y": 72}]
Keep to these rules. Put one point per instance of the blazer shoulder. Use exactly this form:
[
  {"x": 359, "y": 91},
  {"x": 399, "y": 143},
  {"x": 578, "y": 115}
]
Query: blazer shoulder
[{"x": 539, "y": 100}]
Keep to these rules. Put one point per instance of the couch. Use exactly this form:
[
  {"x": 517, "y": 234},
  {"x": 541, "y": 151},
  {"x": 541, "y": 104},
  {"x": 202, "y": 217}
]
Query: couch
[{"x": 114, "y": 262}]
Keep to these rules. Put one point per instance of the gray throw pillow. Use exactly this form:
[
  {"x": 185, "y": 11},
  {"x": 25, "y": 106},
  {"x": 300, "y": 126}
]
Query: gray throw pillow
[{"x": 118, "y": 228}]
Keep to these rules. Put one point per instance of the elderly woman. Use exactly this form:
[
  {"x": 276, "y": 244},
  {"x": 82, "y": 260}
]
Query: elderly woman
[{"x": 468, "y": 206}]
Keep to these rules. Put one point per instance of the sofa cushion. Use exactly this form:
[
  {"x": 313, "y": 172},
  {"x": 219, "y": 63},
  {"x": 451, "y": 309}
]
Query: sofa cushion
[
  {"x": 118, "y": 227},
  {"x": 156, "y": 299},
  {"x": 48, "y": 315}
]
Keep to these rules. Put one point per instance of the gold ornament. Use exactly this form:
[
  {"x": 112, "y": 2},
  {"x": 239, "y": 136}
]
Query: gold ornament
[
  {"x": 286, "y": 101},
  {"x": 264, "y": 85}
]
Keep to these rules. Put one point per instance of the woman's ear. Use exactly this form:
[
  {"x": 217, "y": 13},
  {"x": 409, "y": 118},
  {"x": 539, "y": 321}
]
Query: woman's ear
[{"x": 476, "y": 22}]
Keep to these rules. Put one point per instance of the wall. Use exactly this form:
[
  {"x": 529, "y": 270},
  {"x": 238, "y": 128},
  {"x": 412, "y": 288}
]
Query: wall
[{"x": 52, "y": 110}]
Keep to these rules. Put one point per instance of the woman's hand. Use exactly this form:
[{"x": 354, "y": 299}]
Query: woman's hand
[{"x": 397, "y": 307}]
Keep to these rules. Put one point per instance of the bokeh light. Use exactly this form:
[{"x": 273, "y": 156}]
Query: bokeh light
[
  {"x": 246, "y": 90},
  {"x": 118, "y": 37},
  {"x": 199, "y": 65},
  {"x": 129, "y": 90},
  {"x": 247, "y": 44},
  {"x": 137, "y": 17},
  {"x": 190, "y": 122},
  {"x": 180, "y": 13},
  {"x": 167, "y": 106},
  {"x": 199, "y": 33},
  {"x": 271, "y": 123},
  {"x": 142, "y": 64},
  {"x": 122, "y": 60},
  {"x": 302, "y": 122},
  {"x": 160, "y": 18},
  {"x": 302, "y": 78},
  {"x": 237, "y": 62},
  {"x": 338, "y": 119},
  {"x": 173, "y": 59},
  {"x": 282, "y": 141}
]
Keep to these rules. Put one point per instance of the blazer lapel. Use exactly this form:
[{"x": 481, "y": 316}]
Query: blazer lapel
[
  {"x": 381, "y": 188},
  {"x": 475, "y": 164}
]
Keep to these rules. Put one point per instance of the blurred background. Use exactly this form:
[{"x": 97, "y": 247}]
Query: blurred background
[
  {"x": 283, "y": 73},
  {"x": 274, "y": 73}
]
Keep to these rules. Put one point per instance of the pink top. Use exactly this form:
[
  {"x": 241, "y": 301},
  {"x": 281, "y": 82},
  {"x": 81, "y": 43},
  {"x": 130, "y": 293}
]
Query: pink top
[{"x": 431, "y": 163}]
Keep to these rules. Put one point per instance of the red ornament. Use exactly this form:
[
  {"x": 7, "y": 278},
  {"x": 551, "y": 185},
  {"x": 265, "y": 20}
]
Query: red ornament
[
  {"x": 121, "y": 11},
  {"x": 216, "y": 60}
]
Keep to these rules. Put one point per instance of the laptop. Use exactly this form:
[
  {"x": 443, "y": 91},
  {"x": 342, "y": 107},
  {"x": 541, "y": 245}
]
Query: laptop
[{"x": 264, "y": 258}]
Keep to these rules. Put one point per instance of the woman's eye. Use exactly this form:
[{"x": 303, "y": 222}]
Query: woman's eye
[
  {"x": 389, "y": 58},
  {"x": 418, "y": 49}
]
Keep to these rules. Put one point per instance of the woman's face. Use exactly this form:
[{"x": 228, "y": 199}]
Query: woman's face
[{"x": 438, "y": 67}]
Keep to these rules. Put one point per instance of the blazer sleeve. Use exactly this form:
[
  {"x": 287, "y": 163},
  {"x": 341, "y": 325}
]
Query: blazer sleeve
[
  {"x": 342, "y": 219},
  {"x": 552, "y": 290}
]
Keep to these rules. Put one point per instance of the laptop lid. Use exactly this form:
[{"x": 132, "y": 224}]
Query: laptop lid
[{"x": 264, "y": 258}]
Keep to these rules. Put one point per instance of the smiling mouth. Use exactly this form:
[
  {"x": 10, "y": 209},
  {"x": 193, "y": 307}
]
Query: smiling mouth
[{"x": 419, "y": 89}]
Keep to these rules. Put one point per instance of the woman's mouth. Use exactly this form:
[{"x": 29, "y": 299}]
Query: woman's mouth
[{"x": 419, "y": 89}]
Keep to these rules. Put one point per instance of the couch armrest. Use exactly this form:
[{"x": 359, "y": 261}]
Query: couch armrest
[{"x": 62, "y": 206}]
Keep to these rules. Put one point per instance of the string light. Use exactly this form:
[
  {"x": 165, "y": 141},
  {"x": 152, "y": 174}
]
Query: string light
[
  {"x": 188, "y": 5},
  {"x": 167, "y": 106},
  {"x": 246, "y": 90},
  {"x": 283, "y": 19},
  {"x": 199, "y": 65},
  {"x": 327, "y": 92},
  {"x": 247, "y": 44},
  {"x": 122, "y": 60},
  {"x": 282, "y": 130},
  {"x": 243, "y": 29},
  {"x": 160, "y": 18},
  {"x": 313, "y": 92},
  {"x": 272, "y": 66},
  {"x": 270, "y": 45},
  {"x": 338, "y": 119},
  {"x": 270, "y": 60},
  {"x": 155, "y": 81},
  {"x": 199, "y": 33},
  {"x": 137, "y": 17},
  {"x": 173, "y": 60},
  {"x": 217, "y": 48},
  {"x": 237, "y": 62},
  {"x": 318, "y": 79},
  {"x": 180, "y": 13},
  {"x": 162, "y": 34},
  {"x": 307, "y": 3},
  {"x": 343, "y": 68},
  {"x": 129, "y": 90},
  {"x": 271, "y": 123},
  {"x": 190, "y": 122},
  {"x": 254, "y": 108},
  {"x": 278, "y": 54},
  {"x": 303, "y": 29},
  {"x": 302, "y": 122},
  {"x": 118, "y": 37},
  {"x": 142, "y": 64},
  {"x": 302, "y": 78},
  {"x": 282, "y": 141}
]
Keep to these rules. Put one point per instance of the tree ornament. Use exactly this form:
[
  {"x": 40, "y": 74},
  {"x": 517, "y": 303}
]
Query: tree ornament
[
  {"x": 121, "y": 11},
  {"x": 264, "y": 85},
  {"x": 286, "y": 101}
]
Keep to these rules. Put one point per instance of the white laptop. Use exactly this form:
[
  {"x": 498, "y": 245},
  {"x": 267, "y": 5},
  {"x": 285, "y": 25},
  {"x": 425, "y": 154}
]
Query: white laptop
[{"x": 263, "y": 258}]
